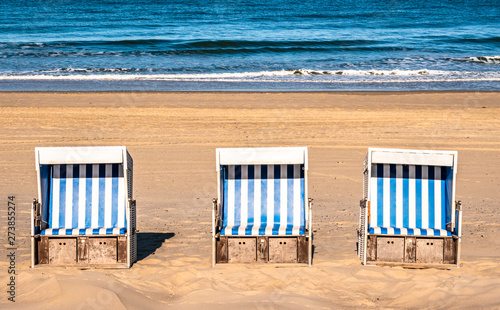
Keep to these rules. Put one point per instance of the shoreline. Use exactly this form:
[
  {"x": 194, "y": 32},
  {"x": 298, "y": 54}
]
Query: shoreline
[
  {"x": 247, "y": 86},
  {"x": 340, "y": 92}
]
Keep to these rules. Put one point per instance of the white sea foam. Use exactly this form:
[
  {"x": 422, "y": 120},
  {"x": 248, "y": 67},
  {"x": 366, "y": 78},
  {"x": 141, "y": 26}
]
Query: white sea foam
[
  {"x": 485, "y": 59},
  {"x": 300, "y": 75}
]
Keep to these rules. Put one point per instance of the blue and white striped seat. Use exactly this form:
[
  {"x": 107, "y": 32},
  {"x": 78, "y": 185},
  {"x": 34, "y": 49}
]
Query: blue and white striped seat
[
  {"x": 86, "y": 200},
  {"x": 410, "y": 200},
  {"x": 409, "y": 231},
  {"x": 261, "y": 200},
  {"x": 83, "y": 231}
]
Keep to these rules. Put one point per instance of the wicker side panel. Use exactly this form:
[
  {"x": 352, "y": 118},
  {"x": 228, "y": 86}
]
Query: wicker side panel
[
  {"x": 133, "y": 234},
  {"x": 133, "y": 248},
  {"x": 362, "y": 230},
  {"x": 129, "y": 183},
  {"x": 365, "y": 162},
  {"x": 130, "y": 175},
  {"x": 366, "y": 177},
  {"x": 363, "y": 211},
  {"x": 130, "y": 161}
]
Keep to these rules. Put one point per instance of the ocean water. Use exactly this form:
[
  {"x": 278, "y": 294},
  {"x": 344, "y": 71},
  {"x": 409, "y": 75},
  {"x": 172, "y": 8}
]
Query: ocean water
[{"x": 266, "y": 45}]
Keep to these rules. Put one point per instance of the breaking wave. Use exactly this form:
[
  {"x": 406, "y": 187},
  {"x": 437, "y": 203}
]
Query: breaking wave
[{"x": 298, "y": 75}]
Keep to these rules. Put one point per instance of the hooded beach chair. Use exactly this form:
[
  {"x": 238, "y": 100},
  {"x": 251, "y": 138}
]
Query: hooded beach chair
[
  {"x": 262, "y": 213},
  {"x": 84, "y": 215},
  {"x": 409, "y": 214}
]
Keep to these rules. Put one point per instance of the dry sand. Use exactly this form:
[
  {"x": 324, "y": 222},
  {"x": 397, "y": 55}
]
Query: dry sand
[{"x": 172, "y": 138}]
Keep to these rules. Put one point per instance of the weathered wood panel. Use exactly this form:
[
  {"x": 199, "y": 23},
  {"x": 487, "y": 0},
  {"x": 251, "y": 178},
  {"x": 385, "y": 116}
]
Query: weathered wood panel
[
  {"x": 43, "y": 250},
  {"x": 122, "y": 249},
  {"x": 262, "y": 249},
  {"x": 102, "y": 250},
  {"x": 410, "y": 250},
  {"x": 390, "y": 249},
  {"x": 83, "y": 250},
  {"x": 283, "y": 250},
  {"x": 429, "y": 250},
  {"x": 242, "y": 250},
  {"x": 450, "y": 251},
  {"x": 221, "y": 255},
  {"x": 371, "y": 248},
  {"x": 62, "y": 251},
  {"x": 302, "y": 249}
]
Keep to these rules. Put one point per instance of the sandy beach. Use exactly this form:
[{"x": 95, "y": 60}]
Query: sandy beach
[{"x": 172, "y": 138}]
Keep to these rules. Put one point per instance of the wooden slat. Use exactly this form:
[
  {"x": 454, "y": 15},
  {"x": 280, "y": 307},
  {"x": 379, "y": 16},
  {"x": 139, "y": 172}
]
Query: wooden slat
[
  {"x": 302, "y": 249},
  {"x": 221, "y": 249},
  {"x": 414, "y": 265},
  {"x": 83, "y": 250},
  {"x": 410, "y": 250},
  {"x": 43, "y": 250},
  {"x": 450, "y": 251},
  {"x": 122, "y": 249},
  {"x": 371, "y": 248},
  {"x": 262, "y": 249}
]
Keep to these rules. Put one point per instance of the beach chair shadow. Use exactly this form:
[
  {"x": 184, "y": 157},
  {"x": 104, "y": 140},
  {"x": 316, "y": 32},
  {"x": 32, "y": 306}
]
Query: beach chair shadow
[
  {"x": 84, "y": 215},
  {"x": 408, "y": 215},
  {"x": 261, "y": 213},
  {"x": 149, "y": 242}
]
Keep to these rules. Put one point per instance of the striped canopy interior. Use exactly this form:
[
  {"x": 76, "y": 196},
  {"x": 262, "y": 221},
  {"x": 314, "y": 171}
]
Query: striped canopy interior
[
  {"x": 263, "y": 200},
  {"x": 410, "y": 199},
  {"x": 86, "y": 200}
]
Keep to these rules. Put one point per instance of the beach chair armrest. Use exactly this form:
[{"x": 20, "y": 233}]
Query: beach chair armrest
[
  {"x": 215, "y": 215},
  {"x": 131, "y": 211},
  {"x": 364, "y": 215},
  {"x": 37, "y": 219},
  {"x": 309, "y": 225},
  {"x": 458, "y": 219}
]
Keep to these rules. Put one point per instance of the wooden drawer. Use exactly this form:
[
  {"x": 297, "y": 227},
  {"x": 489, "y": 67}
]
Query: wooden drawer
[
  {"x": 282, "y": 250},
  {"x": 242, "y": 250},
  {"x": 62, "y": 251},
  {"x": 102, "y": 250},
  {"x": 390, "y": 249},
  {"x": 430, "y": 250}
]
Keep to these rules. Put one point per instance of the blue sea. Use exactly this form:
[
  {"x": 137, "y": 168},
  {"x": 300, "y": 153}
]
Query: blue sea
[{"x": 249, "y": 45}]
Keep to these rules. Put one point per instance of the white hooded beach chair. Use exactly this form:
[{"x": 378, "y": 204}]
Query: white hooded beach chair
[
  {"x": 409, "y": 214},
  {"x": 261, "y": 214},
  {"x": 84, "y": 215}
]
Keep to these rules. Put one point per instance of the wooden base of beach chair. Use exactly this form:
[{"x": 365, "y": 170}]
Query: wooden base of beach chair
[
  {"x": 81, "y": 251},
  {"x": 421, "y": 250},
  {"x": 262, "y": 249}
]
